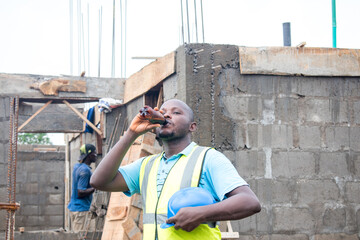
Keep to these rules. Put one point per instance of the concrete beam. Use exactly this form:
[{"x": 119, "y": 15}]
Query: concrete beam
[
  {"x": 300, "y": 61},
  {"x": 24, "y": 86}
]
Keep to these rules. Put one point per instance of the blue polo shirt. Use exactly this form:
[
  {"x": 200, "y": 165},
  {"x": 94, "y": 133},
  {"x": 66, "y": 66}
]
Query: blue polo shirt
[
  {"x": 219, "y": 175},
  {"x": 81, "y": 180}
]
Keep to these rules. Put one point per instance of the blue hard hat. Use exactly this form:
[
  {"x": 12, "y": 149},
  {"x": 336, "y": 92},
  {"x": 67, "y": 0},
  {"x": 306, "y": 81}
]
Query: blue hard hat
[{"x": 187, "y": 197}]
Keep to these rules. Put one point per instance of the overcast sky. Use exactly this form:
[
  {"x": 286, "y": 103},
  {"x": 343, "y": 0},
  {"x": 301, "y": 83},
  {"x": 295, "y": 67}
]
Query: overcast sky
[{"x": 35, "y": 35}]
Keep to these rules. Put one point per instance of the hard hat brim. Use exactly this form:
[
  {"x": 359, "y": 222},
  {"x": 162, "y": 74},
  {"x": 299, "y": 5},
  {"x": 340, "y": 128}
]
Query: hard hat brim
[{"x": 166, "y": 225}]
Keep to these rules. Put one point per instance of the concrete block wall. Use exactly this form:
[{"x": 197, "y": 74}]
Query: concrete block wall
[
  {"x": 40, "y": 187},
  {"x": 4, "y": 147},
  {"x": 295, "y": 139}
]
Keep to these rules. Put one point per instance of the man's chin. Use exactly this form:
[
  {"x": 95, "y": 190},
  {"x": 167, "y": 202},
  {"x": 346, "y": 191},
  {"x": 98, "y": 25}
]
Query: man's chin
[{"x": 165, "y": 136}]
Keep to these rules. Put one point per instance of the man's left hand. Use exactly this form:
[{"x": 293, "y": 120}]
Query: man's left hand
[{"x": 187, "y": 218}]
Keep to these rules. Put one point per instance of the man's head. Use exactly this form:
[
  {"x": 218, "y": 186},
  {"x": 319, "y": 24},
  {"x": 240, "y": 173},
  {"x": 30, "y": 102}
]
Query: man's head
[
  {"x": 87, "y": 153},
  {"x": 180, "y": 120}
]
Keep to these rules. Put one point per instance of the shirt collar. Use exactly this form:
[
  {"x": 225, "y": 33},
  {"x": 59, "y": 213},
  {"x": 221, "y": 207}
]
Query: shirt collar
[{"x": 186, "y": 151}]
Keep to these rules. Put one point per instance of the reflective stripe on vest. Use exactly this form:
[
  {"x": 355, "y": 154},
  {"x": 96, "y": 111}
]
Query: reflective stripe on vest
[{"x": 185, "y": 173}]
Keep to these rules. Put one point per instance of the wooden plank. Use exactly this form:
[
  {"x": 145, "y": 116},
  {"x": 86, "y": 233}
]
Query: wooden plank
[
  {"x": 148, "y": 77},
  {"x": 300, "y": 61},
  {"x": 34, "y": 115},
  {"x": 83, "y": 118},
  {"x": 54, "y": 86}
]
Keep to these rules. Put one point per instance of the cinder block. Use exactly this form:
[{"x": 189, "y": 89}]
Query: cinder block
[
  {"x": 309, "y": 137},
  {"x": 280, "y": 191},
  {"x": 355, "y": 158},
  {"x": 248, "y": 225},
  {"x": 289, "y": 236},
  {"x": 53, "y": 209},
  {"x": 29, "y": 210},
  {"x": 4, "y": 107},
  {"x": 52, "y": 156},
  {"x": 334, "y": 219},
  {"x": 334, "y": 164},
  {"x": 35, "y": 221},
  {"x": 54, "y": 220},
  {"x": 284, "y": 219},
  {"x": 34, "y": 199},
  {"x": 336, "y": 236},
  {"x": 354, "y": 138},
  {"x": 318, "y": 110},
  {"x": 281, "y": 136},
  {"x": 240, "y": 137},
  {"x": 3, "y": 174},
  {"x": 253, "y": 131},
  {"x": 260, "y": 222},
  {"x": 317, "y": 191},
  {"x": 286, "y": 110},
  {"x": 55, "y": 199},
  {"x": 352, "y": 192},
  {"x": 293, "y": 164},
  {"x": 268, "y": 111},
  {"x": 51, "y": 187},
  {"x": 337, "y": 138},
  {"x": 4, "y": 130},
  {"x": 31, "y": 188},
  {"x": 235, "y": 107},
  {"x": 249, "y": 164},
  {"x": 356, "y": 112}
]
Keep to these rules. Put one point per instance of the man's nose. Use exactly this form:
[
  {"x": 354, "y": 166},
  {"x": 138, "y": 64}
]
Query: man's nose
[{"x": 166, "y": 115}]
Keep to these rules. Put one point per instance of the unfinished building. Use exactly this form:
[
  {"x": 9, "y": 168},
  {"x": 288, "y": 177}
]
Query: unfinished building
[{"x": 288, "y": 119}]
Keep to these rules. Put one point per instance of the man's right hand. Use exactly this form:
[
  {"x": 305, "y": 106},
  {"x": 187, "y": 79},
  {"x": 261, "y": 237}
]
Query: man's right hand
[{"x": 141, "y": 126}]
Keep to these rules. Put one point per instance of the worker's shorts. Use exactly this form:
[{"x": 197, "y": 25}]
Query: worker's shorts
[{"x": 82, "y": 221}]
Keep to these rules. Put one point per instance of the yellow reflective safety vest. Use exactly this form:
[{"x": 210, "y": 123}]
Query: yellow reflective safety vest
[{"x": 185, "y": 173}]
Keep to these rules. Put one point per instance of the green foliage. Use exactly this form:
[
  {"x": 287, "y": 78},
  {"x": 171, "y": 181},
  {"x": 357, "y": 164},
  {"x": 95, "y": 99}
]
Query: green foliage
[{"x": 33, "y": 138}]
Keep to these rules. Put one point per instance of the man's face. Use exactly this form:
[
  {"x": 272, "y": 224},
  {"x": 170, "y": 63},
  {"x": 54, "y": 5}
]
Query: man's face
[
  {"x": 93, "y": 157},
  {"x": 178, "y": 121}
]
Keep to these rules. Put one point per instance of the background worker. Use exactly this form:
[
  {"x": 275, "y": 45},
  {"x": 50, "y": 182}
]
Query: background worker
[
  {"x": 235, "y": 200},
  {"x": 81, "y": 194}
]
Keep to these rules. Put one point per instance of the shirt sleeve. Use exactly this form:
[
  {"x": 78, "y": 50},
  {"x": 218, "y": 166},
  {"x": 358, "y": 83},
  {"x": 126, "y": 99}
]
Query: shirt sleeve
[
  {"x": 84, "y": 178},
  {"x": 219, "y": 175},
  {"x": 131, "y": 174}
]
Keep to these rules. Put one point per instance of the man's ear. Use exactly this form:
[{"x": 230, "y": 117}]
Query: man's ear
[{"x": 193, "y": 127}]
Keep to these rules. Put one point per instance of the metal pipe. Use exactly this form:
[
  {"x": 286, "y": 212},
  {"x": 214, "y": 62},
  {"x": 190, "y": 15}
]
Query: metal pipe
[
  {"x": 113, "y": 44},
  {"x": 182, "y": 22},
  {"x": 334, "y": 23},
  {"x": 71, "y": 35},
  {"x": 196, "y": 28},
  {"x": 287, "y": 34},
  {"x": 125, "y": 39},
  {"x": 88, "y": 35},
  {"x": 83, "y": 40},
  {"x": 100, "y": 33},
  {"x": 202, "y": 20},
  {"x": 121, "y": 41},
  {"x": 79, "y": 34},
  {"x": 188, "y": 23}
]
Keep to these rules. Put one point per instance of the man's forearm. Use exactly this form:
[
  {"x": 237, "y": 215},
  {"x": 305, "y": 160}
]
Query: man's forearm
[
  {"x": 236, "y": 207},
  {"x": 84, "y": 193},
  {"x": 107, "y": 169}
]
